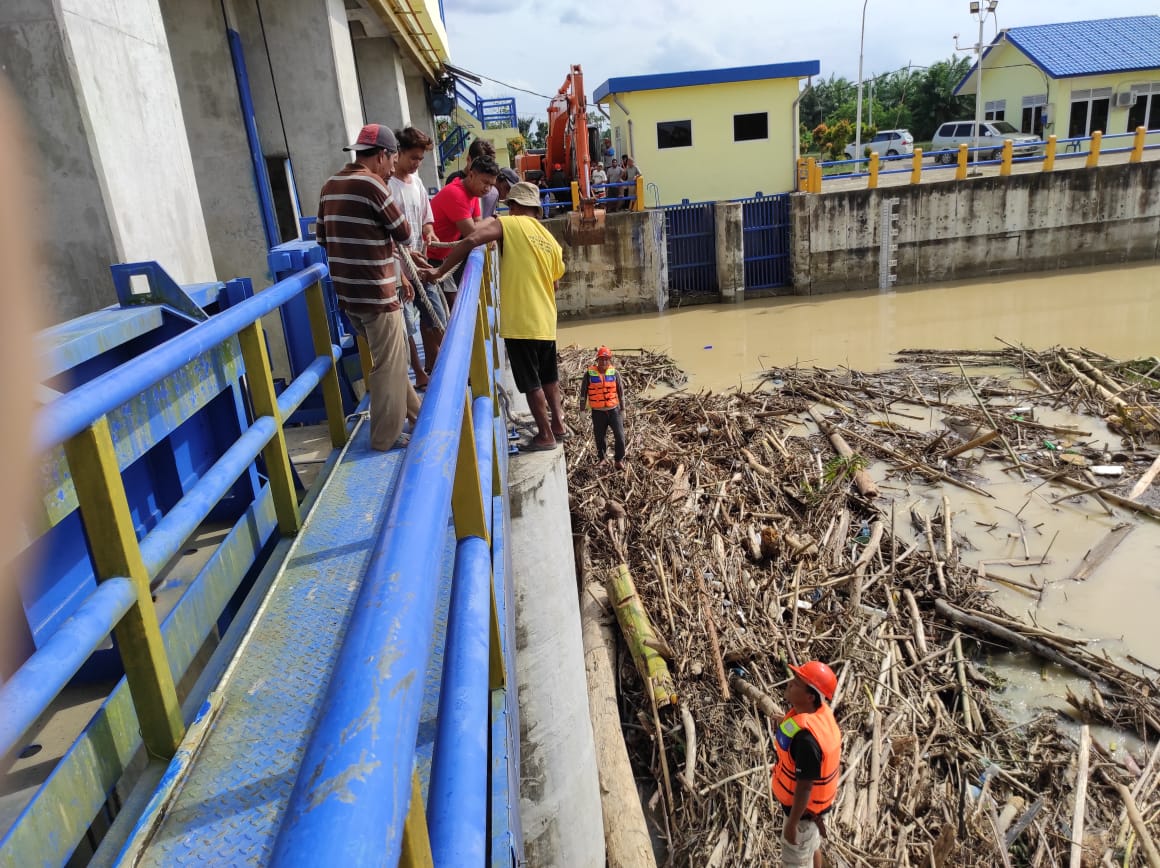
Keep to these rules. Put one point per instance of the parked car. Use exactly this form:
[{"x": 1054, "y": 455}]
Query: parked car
[
  {"x": 889, "y": 143},
  {"x": 954, "y": 133}
]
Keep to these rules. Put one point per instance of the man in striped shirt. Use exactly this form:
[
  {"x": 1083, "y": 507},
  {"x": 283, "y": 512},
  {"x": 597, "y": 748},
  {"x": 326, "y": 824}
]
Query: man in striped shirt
[{"x": 358, "y": 226}]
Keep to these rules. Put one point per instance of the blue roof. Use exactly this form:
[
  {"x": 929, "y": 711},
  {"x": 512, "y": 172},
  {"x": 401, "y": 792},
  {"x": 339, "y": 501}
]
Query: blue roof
[
  {"x": 1097, "y": 47},
  {"x": 663, "y": 81}
]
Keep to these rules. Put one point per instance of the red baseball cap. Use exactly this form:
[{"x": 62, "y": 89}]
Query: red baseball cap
[{"x": 375, "y": 136}]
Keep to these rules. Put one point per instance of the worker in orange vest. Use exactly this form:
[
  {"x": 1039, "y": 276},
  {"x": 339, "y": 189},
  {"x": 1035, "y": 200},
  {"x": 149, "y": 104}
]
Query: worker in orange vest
[
  {"x": 604, "y": 396},
  {"x": 809, "y": 749}
]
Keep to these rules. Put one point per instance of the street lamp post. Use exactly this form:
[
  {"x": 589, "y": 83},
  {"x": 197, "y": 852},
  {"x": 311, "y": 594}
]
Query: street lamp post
[
  {"x": 980, "y": 9},
  {"x": 861, "y": 45}
]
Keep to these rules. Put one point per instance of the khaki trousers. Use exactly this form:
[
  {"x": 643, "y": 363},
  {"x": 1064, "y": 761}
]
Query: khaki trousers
[
  {"x": 801, "y": 854},
  {"x": 392, "y": 396}
]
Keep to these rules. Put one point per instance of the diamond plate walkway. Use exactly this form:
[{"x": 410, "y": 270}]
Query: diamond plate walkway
[{"x": 223, "y": 800}]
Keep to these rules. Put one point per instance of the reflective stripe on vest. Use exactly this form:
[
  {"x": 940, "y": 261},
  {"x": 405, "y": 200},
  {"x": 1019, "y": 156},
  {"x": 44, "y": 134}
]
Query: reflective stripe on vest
[
  {"x": 824, "y": 728},
  {"x": 602, "y": 389}
]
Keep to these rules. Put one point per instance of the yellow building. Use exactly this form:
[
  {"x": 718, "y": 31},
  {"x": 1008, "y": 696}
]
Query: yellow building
[
  {"x": 709, "y": 135},
  {"x": 1074, "y": 78}
]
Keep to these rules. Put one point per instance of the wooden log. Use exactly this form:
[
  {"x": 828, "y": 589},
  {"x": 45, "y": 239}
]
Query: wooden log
[
  {"x": 1102, "y": 551},
  {"x": 640, "y": 636},
  {"x": 876, "y": 530},
  {"x": 714, "y": 642},
  {"x": 862, "y": 479},
  {"x": 1081, "y": 783},
  {"x": 923, "y": 468},
  {"x": 1137, "y": 821},
  {"x": 1142, "y": 484},
  {"x": 1016, "y": 640},
  {"x": 981, "y": 440},
  {"x": 1140, "y": 508},
  {"x": 626, "y": 836},
  {"x": 764, "y": 704}
]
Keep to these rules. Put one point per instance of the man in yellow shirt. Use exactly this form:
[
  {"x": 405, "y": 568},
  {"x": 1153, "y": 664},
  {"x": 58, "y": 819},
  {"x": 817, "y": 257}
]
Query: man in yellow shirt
[{"x": 531, "y": 262}]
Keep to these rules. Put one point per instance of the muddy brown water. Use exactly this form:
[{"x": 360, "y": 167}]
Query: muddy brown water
[{"x": 1114, "y": 311}]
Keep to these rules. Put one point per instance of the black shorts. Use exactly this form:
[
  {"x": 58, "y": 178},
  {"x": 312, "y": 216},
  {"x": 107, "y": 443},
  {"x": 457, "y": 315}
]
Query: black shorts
[{"x": 533, "y": 363}]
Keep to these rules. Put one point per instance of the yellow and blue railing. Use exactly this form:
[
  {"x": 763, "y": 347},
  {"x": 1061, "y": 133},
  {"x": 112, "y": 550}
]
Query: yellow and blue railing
[{"x": 812, "y": 173}]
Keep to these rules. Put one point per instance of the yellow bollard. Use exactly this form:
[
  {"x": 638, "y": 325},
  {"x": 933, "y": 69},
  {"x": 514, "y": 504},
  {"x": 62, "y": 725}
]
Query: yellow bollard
[
  {"x": 575, "y": 196},
  {"x": 1093, "y": 157},
  {"x": 803, "y": 175},
  {"x": 916, "y": 167},
  {"x": 638, "y": 202},
  {"x": 961, "y": 169},
  {"x": 1138, "y": 145},
  {"x": 872, "y": 184},
  {"x": 811, "y": 174},
  {"x": 1008, "y": 155},
  {"x": 1049, "y": 155}
]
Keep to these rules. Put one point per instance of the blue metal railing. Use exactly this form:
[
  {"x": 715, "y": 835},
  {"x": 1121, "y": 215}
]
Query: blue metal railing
[
  {"x": 354, "y": 789},
  {"x": 454, "y": 145},
  {"x": 497, "y": 112},
  {"x": 45, "y": 673}
]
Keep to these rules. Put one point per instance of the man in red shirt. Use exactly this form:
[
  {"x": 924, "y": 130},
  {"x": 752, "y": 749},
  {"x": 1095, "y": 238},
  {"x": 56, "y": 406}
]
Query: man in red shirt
[
  {"x": 456, "y": 208},
  {"x": 359, "y": 224}
]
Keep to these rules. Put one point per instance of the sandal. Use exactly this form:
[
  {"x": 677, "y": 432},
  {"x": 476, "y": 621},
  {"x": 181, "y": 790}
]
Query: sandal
[{"x": 533, "y": 446}]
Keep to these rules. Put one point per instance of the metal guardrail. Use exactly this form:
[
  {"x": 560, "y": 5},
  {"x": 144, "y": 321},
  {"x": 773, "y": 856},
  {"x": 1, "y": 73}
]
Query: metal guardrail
[
  {"x": 125, "y": 566},
  {"x": 357, "y": 796},
  {"x": 813, "y": 173},
  {"x": 635, "y": 200}
]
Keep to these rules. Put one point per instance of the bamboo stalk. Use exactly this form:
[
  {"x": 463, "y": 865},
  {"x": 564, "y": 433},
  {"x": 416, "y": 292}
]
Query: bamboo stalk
[
  {"x": 920, "y": 466},
  {"x": 1081, "y": 784},
  {"x": 991, "y": 419},
  {"x": 714, "y": 644},
  {"x": 640, "y": 636},
  {"x": 1137, "y": 821},
  {"x": 862, "y": 479},
  {"x": 1142, "y": 484},
  {"x": 981, "y": 440}
]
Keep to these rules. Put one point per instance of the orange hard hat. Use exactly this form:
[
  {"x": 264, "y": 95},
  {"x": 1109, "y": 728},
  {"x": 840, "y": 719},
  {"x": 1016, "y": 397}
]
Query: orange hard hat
[
  {"x": 557, "y": 167},
  {"x": 604, "y": 353},
  {"x": 817, "y": 675}
]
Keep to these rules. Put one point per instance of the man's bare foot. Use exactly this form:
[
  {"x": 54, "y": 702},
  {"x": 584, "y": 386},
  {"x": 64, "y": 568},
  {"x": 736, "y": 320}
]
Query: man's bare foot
[{"x": 620, "y": 465}]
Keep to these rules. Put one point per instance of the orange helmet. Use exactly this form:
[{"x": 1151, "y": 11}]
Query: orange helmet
[
  {"x": 604, "y": 353},
  {"x": 817, "y": 675}
]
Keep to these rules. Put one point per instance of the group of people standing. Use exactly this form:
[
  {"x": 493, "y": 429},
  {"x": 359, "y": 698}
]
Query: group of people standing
[
  {"x": 621, "y": 177},
  {"x": 395, "y": 257}
]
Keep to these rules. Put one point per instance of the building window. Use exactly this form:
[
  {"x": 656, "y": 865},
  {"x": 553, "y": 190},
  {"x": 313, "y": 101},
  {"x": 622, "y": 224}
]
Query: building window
[
  {"x": 1089, "y": 112},
  {"x": 1034, "y": 114},
  {"x": 674, "y": 134},
  {"x": 1145, "y": 111},
  {"x": 747, "y": 128},
  {"x": 995, "y": 110}
]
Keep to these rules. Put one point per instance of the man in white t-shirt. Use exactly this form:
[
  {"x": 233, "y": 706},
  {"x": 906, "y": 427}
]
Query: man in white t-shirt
[
  {"x": 412, "y": 199},
  {"x": 599, "y": 177}
]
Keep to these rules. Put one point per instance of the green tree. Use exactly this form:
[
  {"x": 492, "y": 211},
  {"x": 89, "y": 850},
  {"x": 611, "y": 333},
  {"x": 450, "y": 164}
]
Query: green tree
[
  {"x": 524, "y": 125},
  {"x": 933, "y": 101},
  {"x": 823, "y": 99}
]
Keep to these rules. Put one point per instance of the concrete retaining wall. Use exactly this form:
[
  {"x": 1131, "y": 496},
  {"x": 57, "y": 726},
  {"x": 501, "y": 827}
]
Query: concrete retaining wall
[
  {"x": 629, "y": 273},
  {"x": 978, "y": 228}
]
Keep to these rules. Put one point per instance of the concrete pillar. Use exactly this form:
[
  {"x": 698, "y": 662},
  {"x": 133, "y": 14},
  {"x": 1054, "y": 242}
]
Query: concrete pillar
[
  {"x": 422, "y": 118},
  {"x": 559, "y": 788},
  {"x": 382, "y": 81},
  {"x": 116, "y": 180},
  {"x": 309, "y": 107},
  {"x": 801, "y": 217},
  {"x": 196, "y": 31},
  {"x": 730, "y": 251}
]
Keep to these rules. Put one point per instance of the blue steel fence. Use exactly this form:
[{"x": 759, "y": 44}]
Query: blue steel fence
[
  {"x": 90, "y": 422},
  {"x": 690, "y": 237},
  {"x": 357, "y": 797},
  {"x": 766, "y": 241}
]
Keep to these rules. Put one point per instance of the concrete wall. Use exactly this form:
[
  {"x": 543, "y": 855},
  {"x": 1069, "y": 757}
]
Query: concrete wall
[
  {"x": 422, "y": 118},
  {"x": 627, "y": 274},
  {"x": 978, "y": 228},
  {"x": 714, "y": 166},
  {"x": 117, "y": 180},
  {"x": 382, "y": 81}
]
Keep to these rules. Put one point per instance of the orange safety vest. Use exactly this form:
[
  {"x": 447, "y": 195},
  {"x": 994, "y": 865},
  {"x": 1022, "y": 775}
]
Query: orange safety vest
[
  {"x": 602, "y": 389},
  {"x": 824, "y": 728}
]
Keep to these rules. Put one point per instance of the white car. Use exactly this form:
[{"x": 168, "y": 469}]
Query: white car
[
  {"x": 950, "y": 135},
  {"x": 886, "y": 143}
]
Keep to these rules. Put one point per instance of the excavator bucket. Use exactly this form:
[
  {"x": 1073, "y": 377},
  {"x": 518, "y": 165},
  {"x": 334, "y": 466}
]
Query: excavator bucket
[{"x": 586, "y": 226}]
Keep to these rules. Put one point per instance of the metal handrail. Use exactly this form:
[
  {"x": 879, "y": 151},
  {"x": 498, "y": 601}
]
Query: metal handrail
[
  {"x": 75, "y": 411},
  {"x": 354, "y": 788}
]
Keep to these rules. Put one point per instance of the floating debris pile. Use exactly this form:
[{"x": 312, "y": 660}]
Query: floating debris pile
[{"x": 755, "y": 535}]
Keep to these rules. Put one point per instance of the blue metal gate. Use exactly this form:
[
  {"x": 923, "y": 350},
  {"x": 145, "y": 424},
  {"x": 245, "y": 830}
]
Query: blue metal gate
[
  {"x": 690, "y": 236},
  {"x": 766, "y": 223}
]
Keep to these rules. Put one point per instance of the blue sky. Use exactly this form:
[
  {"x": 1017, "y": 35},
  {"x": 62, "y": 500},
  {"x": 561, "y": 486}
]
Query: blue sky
[{"x": 531, "y": 44}]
